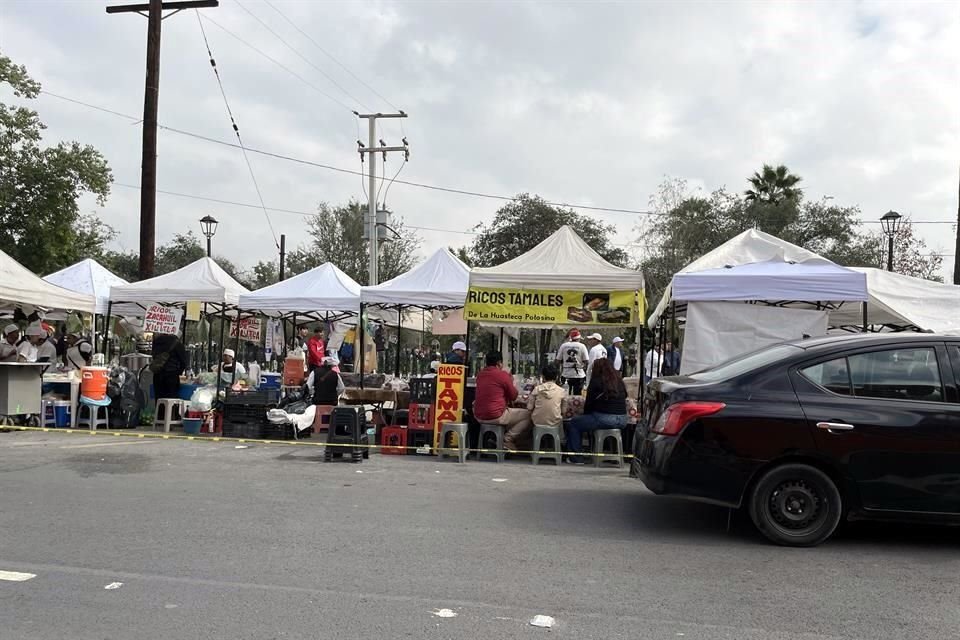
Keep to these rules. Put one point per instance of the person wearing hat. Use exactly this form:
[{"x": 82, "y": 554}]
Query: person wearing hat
[
  {"x": 572, "y": 357},
  {"x": 457, "y": 355},
  {"x": 79, "y": 352},
  {"x": 27, "y": 350},
  {"x": 615, "y": 354},
  {"x": 47, "y": 351},
  {"x": 326, "y": 383},
  {"x": 231, "y": 371},
  {"x": 8, "y": 343},
  {"x": 595, "y": 351}
]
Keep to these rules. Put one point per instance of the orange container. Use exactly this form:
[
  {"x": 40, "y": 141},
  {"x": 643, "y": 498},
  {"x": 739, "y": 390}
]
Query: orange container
[
  {"x": 293, "y": 372},
  {"x": 93, "y": 382}
]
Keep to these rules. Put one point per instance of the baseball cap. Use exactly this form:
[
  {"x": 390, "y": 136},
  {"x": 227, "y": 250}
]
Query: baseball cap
[
  {"x": 595, "y": 336},
  {"x": 36, "y": 330},
  {"x": 331, "y": 360},
  {"x": 617, "y": 339},
  {"x": 459, "y": 346}
]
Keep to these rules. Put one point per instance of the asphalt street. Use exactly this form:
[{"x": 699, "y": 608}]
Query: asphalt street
[{"x": 210, "y": 541}]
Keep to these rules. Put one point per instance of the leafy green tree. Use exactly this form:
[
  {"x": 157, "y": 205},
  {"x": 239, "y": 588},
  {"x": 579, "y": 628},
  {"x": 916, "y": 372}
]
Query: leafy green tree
[
  {"x": 911, "y": 255},
  {"x": 526, "y": 221},
  {"x": 774, "y": 185},
  {"x": 263, "y": 274},
  {"x": 183, "y": 249},
  {"x": 337, "y": 237},
  {"x": 40, "y": 221}
]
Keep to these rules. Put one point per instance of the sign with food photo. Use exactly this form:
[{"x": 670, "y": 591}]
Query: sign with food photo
[{"x": 552, "y": 307}]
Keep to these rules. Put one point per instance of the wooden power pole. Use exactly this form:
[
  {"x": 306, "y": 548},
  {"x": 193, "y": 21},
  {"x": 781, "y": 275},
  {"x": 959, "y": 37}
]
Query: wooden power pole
[
  {"x": 956, "y": 251},
  {"x": 153, "y": 11}
]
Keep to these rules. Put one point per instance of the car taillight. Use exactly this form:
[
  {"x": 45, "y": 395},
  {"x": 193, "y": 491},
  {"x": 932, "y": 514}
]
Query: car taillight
[{"x": 677, "y": 416}]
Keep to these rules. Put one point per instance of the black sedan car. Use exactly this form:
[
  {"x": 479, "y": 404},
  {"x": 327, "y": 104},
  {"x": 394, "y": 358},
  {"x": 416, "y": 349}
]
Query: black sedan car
[{"x": 803, "y": 434}]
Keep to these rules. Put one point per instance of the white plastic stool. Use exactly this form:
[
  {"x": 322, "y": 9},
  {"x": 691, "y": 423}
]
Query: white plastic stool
[
  {"x": 50, "y": 421},
  {"x": 96, "y": 416},
  {"x": 168, "y": 404}
]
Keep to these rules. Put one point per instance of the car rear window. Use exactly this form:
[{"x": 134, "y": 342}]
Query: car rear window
[{"x": 746, "y": 363}]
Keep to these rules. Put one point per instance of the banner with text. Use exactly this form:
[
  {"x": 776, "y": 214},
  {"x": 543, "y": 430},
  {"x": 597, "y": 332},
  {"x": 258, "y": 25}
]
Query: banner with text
[
  {"x": 449, "y": 400},
  {"x": 160, "y": 319},
  {"x": 614, "y": 308},
  {"x": 249, "y": 329}
]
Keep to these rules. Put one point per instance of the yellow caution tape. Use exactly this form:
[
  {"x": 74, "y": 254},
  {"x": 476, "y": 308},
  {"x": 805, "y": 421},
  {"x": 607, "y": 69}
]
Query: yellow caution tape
[{"x": 300, "y": 443}]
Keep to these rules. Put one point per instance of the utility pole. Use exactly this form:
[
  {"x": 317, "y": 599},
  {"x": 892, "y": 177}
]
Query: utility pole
[
  {"x": 283, "y": 255},
  {"x": 956, "y": 251},
  {"x": 153, "y": 11},
  {"x": 371, "y": 150}
]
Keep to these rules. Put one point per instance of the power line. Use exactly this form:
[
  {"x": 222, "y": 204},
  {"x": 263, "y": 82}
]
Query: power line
[
  {"x": 281, "y": 65},
  {"x": 329, "y": 55},
  {"x": 300, "y": 55},
  {"x": 236, "y": 130},
  {"x": 408, "y": 183}
]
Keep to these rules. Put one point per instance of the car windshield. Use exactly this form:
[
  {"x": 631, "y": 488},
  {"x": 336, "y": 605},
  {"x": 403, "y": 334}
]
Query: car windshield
[{"x": 743, "y": 364}]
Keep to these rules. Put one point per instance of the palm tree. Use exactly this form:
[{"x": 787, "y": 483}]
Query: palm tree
[{"x": 773, "y": 184}]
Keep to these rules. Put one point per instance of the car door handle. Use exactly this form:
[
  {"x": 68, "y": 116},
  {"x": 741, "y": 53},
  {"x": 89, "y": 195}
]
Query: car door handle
[{"x": 834, "y": 427}]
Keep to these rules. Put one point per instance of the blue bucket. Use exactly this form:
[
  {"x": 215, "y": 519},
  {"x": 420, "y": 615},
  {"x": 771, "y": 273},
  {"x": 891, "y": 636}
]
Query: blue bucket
[
  {"x": 191, "y": 426},
  {"x": 61, "y": 413}
]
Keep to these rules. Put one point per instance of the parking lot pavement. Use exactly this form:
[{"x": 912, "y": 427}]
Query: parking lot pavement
[{"x": 202, "y": 539}]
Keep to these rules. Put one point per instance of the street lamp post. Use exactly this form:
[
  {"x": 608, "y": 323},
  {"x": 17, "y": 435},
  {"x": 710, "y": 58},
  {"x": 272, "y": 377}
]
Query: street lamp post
[
  {"x": 891, "y": 225},
  {"x": 208, "y": 224}
]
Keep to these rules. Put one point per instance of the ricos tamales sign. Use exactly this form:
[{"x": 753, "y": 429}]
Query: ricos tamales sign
[
  {"x": 449, "y": 399},
  {"x": 553, "y": 307}
]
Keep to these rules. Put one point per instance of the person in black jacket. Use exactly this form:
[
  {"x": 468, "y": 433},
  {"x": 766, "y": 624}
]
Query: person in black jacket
[
  {"x": 327, "y": 385},
  {"x": 604, "y": 408},
  {"x": 169, "y": 361}
]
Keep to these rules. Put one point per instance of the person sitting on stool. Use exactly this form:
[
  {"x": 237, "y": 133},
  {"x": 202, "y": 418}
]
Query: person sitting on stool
[{"x": 604, "y": 408}]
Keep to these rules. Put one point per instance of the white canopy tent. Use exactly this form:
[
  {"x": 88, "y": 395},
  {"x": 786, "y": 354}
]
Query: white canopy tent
[
  {"x": 564, "y": 261},
  {"x": 320, "y": 293},
  {"x": 201, "y": 281},
  {"x": 758, "y": 266},
  {"x": 91, "y": 278},
  {"x": 19, "y": 286},
  {"x": 439, "y": 283},
  {"x": 904, "y": 302}
]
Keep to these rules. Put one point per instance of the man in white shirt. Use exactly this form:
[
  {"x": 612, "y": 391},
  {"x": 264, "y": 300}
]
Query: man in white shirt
[
  {"x": 615, "y": 354},
  {"x": 47, "y": 350},
  {"x": 651, "y": 364},
  {"x": 8, "y": 343},
  {"x": 596, "y": 351},
  {"x": 27, "y": 351},
  {"x": 573, "y": 358}
]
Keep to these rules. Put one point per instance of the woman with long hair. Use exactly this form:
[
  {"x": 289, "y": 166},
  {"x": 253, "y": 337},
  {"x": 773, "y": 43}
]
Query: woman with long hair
[{"x": 604, "y": 408}]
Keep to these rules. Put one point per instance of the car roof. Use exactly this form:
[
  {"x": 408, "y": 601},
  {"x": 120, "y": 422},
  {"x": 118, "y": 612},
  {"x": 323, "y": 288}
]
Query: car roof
[{"x": 867, "y": 339}]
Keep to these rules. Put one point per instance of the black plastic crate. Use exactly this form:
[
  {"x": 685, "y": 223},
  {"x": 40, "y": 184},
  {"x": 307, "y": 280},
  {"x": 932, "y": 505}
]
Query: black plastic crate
[
  {"x": 244, "y": 413},
  {"x": 423, "y": 390},
  {"x": 270, "y": 431},
  {"x": 242, "y": 430},
  {"x": 259, "y": 397}
]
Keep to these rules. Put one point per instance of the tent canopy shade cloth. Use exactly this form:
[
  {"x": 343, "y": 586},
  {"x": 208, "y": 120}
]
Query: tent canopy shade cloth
[
  {"x": 772, "y": 280},
  {"x": 20, "y": 286},
  {"x": 438, "y": 283},
  {"x": 200, "y": 281},
  {"x": 320, "y": 292},
  {"x": 750, "y": 247},
  {"x": 898, "y": 300},
  {"x": 92, "y": 278},
  {"x": 562, "y": 261}
]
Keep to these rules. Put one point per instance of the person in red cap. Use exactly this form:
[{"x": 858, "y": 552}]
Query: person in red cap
[{"x": 572, "y": 357}]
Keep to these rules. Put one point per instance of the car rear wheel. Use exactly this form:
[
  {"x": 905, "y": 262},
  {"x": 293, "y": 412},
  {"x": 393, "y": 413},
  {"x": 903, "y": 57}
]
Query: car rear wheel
[{"x": 796, "y": 505}]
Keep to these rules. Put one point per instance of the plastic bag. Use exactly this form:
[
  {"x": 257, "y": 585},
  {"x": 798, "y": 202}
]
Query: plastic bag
[{"x": 202, "y": 399}]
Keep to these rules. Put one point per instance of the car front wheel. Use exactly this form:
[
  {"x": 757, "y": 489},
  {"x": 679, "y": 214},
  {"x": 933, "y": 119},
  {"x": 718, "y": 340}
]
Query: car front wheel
[{"x": 796, "y": 505}]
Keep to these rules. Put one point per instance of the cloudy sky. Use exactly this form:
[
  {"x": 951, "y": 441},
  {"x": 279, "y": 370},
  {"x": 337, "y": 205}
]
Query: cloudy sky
[{"x": 589, "y": 103}]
